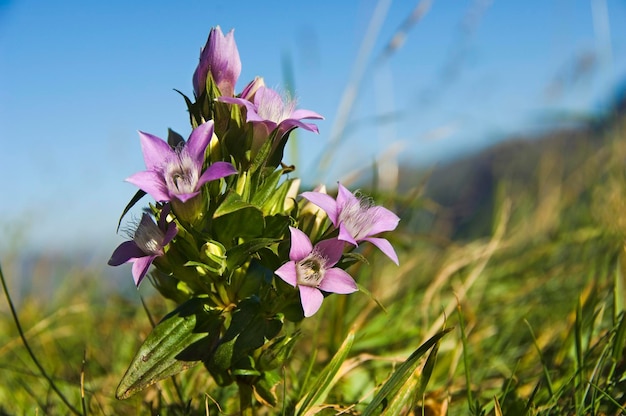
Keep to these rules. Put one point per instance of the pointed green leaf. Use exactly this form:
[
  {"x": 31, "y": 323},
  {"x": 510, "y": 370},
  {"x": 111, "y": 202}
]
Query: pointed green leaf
[
  {"x": 402, "y": 374},
  {"x": 181, "y": 340},
  {"x": 276, "y": 202},
  {"x": 413, "y": 388},
  {"x": 241, "y": 253},
  {"x": 265, "y": 190},
  {"x": 318, "y": 391},
  {"x": 236, "y": 218},
  {"x": 232, "y": 203},
  {"x": 265, "y": 388}
]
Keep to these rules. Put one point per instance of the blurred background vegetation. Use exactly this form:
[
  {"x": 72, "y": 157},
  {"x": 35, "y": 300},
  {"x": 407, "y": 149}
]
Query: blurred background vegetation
[{"x": 518, "y": 247}]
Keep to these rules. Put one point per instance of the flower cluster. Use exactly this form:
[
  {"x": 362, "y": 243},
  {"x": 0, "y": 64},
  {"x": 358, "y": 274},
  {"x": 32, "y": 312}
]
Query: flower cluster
[{"x": 227, "y": 235}]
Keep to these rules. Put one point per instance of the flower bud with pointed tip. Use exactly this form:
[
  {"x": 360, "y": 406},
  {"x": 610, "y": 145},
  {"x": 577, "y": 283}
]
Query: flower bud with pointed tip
[{"x": 220, "y": 59}]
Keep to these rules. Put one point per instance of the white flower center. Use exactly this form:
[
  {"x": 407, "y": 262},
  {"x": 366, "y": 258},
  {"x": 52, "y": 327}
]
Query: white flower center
[
  {"x": 181, "y": 174},
  {"x": 273, "y": 108},
  {"x": 310, "y": 270},
  {"x": 357, "y": 218},
  {"x": 149, "y": 237}
]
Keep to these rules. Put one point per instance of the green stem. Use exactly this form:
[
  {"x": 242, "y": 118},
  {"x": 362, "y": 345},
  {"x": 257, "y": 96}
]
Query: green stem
[
  {"x": 30, "y": 351},
  {"x": 245, "y": 399}
]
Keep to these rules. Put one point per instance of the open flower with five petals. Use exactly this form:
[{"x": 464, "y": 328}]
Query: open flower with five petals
[
  {"x": 177, "y": 173},
  {"x": 357, "y": 219},
  {"x": 268, "y": 109},
  {"x": 311, "y": 270},
  {"x": 148, "y": 242}
]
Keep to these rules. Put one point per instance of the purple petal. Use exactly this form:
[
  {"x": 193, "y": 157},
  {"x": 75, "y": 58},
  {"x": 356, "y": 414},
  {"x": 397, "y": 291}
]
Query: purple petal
[
  {"x": 325, "y": 202},
  {"x": 221, "y": 57},
  {"x": 199, "y": 140},
  {"x": 251, "y": 89},
  {"x": 199, "y": 76},
  {"x": 234, "y": 100},
  {"x": 155, "y": 151},
  {"x": 165, "y": 211},
  {"x": 384, "y": 246},
  {"x": 311, "y": 299},
  {"x": 345, "y": 235},
  {"x": 300, "y": 245},
  {"x": 250, "y": 106},
  {"x": 152, "y": 183},
  {"x": 382, "y": 220},
  {"x": 170, "y": 233},
  {"x": 253, "y": 117},
  {"x": 125, "y": 252},
  {"x": 331, "y": 249},
  {"x": 291, "y": 123},
  {"x": 345, "y": 197},
  {"x": 186, "y": 197},
  {"x": 338, "y": 281},
  {"x": 225, "y": 64},
  {"x": 140, "y": 268},
  {"x": 288, "y": 273},
  {"x": 300, "y": 114},
  {"x": 216, "y": 171}
]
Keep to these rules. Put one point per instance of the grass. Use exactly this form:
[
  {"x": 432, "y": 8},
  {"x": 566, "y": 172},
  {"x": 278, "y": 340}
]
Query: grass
[
  {"x": 518, "y": 252},
  {"x": 532, "y": 284}
]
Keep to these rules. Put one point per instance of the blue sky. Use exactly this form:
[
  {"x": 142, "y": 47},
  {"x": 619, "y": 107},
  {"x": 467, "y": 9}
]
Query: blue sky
[{"x": 79, "y": 78}]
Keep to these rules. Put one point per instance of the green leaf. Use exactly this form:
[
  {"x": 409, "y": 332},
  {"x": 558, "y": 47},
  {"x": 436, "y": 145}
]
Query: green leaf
[
  {"x": 413, "y": 388},
  {"x": 265, "y": 388},
  {"x": 232, "y": 203},
  {"x": 248, "y": 331},
  {"x": 181, "y": 340},
  {"x": 276, "y": 202},
  {"x": 265, "y": 190},
  {"x": 260, "y": 159},
  {"x": 402, "y": 374},
  {"x": 236, "y": 218},
  {"x": 318, "y": 391},
  {"x": 241, "y": 253}
]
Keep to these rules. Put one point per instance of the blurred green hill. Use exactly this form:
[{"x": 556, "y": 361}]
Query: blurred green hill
[{"x": 460, "y": 195}]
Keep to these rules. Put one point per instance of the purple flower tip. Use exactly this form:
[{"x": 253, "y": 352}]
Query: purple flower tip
[{"x": 220, "y": 58}]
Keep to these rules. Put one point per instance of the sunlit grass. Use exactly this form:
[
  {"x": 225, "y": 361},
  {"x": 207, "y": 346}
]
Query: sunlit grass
[{"x": 536, "y": 305}]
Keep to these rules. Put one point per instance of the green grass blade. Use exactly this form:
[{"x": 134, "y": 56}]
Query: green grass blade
[
  {"x": 318, "y": 391},
  {"x": 402, "y": 374},
  {"x": 414, "y": 387}
]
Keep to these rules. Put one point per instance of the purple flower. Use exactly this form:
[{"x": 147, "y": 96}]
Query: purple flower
[
  {"x": 148, "y": 243},
  {"x": 357, "y": 219},
  {"x": 220, "y": 58},
  {"x": 269, "y": 110},
  {"x": 311, "y": 270},
  {"x": 177, "y": 173}
]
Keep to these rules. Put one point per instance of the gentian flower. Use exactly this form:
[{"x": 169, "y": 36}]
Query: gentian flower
[
  {"x": 269, "y": 110},
  {"x": 357, "y": 219},
  {"x": 220, "y": 58},
  {"x": 177, "y": 173},
  {"x": 147, "y": 243},
  {"x": 311, "y": 270}
]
